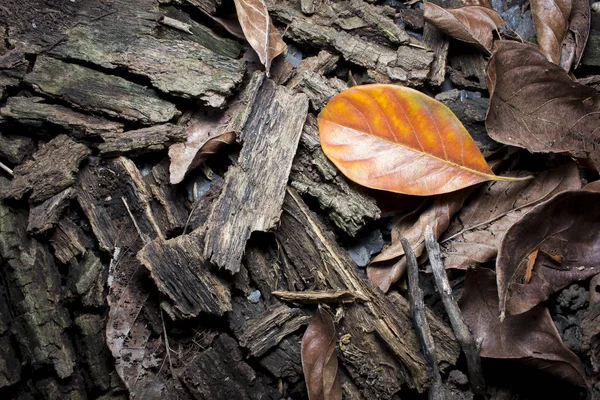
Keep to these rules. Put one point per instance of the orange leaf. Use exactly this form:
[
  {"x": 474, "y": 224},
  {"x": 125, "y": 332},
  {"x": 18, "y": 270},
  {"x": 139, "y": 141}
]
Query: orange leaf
[{"x": 397, "y": 139}]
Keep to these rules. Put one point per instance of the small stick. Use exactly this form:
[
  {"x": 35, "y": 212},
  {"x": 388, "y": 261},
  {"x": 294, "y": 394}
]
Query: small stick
[
  {"x": 144, "y": 238},
  {"x": 313, "y": 297},
  {"x": 459, "y": 326},
  {"x": 417, "y": 308},
  {"x": 6, "y": 168},
  {"x": 176, "y": 24}
]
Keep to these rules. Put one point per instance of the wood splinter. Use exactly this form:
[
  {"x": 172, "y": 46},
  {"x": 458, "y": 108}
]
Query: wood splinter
[
  {"x": 459, "y": 326},
  {"x": 314, "y": 297},
  {"x": 417, "y": 308}
]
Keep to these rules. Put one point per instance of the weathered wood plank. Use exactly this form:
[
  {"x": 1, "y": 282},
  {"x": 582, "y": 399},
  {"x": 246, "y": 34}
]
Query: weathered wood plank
[
  {"x": 176, "y": 66},
  {"x": 95, "y": 91},
  {"x": 180, "y": 271},
  {"x": 35, "y": 112},
  {"x": 139, "y": 141},
  {"x": 86, "y": 280},
  {"x": 254, "y": 188},
  {"x": 50, "y": 170}
]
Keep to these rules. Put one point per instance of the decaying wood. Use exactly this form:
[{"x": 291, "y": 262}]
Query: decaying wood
[
  {"x": 380, "y": 330},
  {"x": 375, "y": 19},
  {"x": 459, "y": 326},
  {"x": 407, "y": 64},
  {"x": 93, "y": 352},
  {"x": 33, "y": 111},
  {"x": 39, "y": 321},
  {"x": 261, "y": 334},
  {"x": 86, "y": 280},
  {"x": 417, "y": 309},
  {"x": 50, "y": 171},
  {"x": 14, "y": 148},
  {"x": 224, "y": 363},
  {"x": 467, "y": 69},
  {"x": 440, "y": 43},
  {"x": 255, "y": 186},
  {"x": 45, "y": 215},
  {"x": 139, "y": 141},
  {"x": 181, "y": 272},
  {"x": 100, "y": 187},
  {"x": 316, "y": 297},
  {"x": 313, "y": 174},
  {"x": 68, "y": 240},
  {"x": 95, "y": 91},
  {"x": 182, "y": 68},
  {"x": 321, "y": 64}
]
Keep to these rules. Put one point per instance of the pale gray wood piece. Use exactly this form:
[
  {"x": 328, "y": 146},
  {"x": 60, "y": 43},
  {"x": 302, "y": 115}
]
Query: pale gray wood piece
[{"x": 254, "y": 187}]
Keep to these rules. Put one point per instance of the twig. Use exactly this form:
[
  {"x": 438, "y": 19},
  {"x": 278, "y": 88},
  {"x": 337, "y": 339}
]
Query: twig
[
  {"x": 417, "y": 308},
  {"x": 460, "y": 327},
  {"x": 175, "y": 24},
  {"x": 6, "y": 168},
  {"x": 144, "y": 238},
  {"x": 329, "y": 296},
  {"x": 168, "y": 348},
  {"x": 489, "y": 221}
]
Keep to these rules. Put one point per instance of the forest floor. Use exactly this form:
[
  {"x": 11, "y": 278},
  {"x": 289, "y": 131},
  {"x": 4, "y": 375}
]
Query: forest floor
[{"x": 169, "y": 221}]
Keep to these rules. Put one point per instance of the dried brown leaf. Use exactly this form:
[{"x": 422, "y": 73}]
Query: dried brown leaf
[
  {"x": 579, "y": 29},
  {"x": 592, "y": 186},
  {"x": 551, "y": 21},
  {"x": 412, "y": 227},
  {"x": 534, "y": 104},
  {"x": 530, "y": 263},
  {"x": 567, "y": 228},
  {"x": 205, "y": 137},
  {"x": 475, "y": 233},
  {"x": 259, "y": 30},
  {"x": 530, "y": 337},
  {"x": 319, "y": 362},
  {"x": 471, "y": 24}
]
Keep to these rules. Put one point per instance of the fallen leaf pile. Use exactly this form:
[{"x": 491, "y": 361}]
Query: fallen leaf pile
[{"x": 530, "y": 216}]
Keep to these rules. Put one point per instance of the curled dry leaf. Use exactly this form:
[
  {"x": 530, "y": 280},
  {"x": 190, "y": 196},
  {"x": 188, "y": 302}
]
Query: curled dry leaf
[
  {"x": 577, "y": 36},
  {"x": 412, "y": 227},
  {"x": 475, "y": 234},
  {"x": 397, "y": 139},
  {"x": 319, "y": 362},
  {"x": 534, "y": 104},
  {"x": 551, "y": 21},
  {"x": 566, "y": 230},
  {"x": 531, "y": 337},
  {"x": 204, "y": 137},
  {"x": 259, "y": 30},
  {"x": 471, "y": 24}
]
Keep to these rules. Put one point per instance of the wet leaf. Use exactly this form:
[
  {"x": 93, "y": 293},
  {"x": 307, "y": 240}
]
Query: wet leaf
[
  {"x": 551, "y": 21},
  {"x": 397, "y": 139},
  {"x": 205, "y": 137},
  {"x": 259, "y": 30},
  {"x": 534, "y": 104},
  {"x": 471, "y": 24},
  {"x": 319, "y": 362},
  {"x": 412, "y": 227},
  {"x": 475, "y": 234},
  {"x": 531, "y": 337},
  {"x": 566, "y": 230}
]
